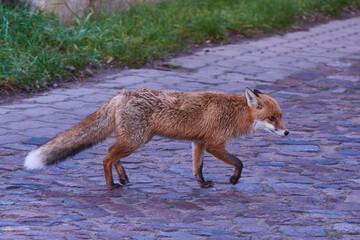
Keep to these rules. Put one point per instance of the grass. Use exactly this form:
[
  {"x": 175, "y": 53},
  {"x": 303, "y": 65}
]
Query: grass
[
  {"x": 37, "y": 51},
  {"x": 324, "y": 88}
]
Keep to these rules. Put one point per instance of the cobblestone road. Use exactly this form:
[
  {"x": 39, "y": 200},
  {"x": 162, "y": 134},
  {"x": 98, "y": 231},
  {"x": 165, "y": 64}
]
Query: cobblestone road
[{"x": 305, "y": 186}]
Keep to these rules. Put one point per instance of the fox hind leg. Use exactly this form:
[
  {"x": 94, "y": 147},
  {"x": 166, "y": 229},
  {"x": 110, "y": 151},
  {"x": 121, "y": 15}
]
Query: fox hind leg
[
  {"x": 121, "y": 172},
  {"x": 116, "y": 152},
  {"x": 198, "y": 161},
  {"x": 120, "y": 169}
]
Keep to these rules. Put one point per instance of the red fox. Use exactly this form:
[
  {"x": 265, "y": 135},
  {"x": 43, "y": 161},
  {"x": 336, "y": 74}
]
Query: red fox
[{"x": 208, "y": 119}]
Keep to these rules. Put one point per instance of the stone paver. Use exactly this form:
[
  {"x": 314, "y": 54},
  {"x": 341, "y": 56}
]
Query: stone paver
[{"x": 305, "y": 186}]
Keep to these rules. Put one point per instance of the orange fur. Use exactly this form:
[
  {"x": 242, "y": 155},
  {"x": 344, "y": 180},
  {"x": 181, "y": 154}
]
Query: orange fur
[{"x": 209, "y": 119}]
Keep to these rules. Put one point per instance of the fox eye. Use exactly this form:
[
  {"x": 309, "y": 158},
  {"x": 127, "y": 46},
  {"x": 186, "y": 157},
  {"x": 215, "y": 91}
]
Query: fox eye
[{"x": 272, "y": 119}]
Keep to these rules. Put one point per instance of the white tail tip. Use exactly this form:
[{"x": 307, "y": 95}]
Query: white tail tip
[{"x": 34, "y": 160}]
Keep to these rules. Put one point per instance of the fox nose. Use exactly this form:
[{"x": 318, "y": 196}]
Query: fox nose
[{"x": 286, "y": 133}]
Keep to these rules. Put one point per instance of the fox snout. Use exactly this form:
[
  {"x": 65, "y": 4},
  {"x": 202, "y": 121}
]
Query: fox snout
[
  {"x": 276, "y": 126},
  {"x": 280, "y": 128},
  {"x": 265, "y": 125},
  {"x": 281, "y": 133}
]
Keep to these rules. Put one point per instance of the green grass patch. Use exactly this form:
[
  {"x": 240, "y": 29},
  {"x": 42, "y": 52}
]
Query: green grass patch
[
  {"x": 324, "y": 88},
  {"x": 36, "y": 50}
]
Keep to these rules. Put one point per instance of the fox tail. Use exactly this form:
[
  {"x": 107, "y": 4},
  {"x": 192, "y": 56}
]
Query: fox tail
[{"x": 91, "y": 130}]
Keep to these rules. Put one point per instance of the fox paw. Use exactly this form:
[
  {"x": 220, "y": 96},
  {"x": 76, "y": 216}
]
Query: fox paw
[
  {"x": 234, "y": 180},
  {"x": 207, "y": 184},
  {"x": 124, "y": 181},
  {"x": 114, "y": 186}
]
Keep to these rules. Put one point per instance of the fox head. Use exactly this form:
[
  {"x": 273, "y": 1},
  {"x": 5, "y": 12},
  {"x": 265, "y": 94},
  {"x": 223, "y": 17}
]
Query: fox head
[{"x": 266, "y": 112}]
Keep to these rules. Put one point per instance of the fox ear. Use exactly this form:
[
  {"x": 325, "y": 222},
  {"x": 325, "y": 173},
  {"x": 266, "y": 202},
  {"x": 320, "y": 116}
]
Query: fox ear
[
  {"x": 252, "y": 99},
  {"x": 257, "y": 92}
]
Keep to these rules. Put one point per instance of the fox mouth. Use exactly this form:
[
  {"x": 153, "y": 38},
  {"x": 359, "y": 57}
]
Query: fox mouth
[
  {"x": 278, "y": 132},
  {"x": 262, "y": 125}
]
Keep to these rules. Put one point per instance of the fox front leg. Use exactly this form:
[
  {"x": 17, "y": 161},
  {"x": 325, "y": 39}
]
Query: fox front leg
[
  {"x": 222, "y": 154},
  {"x": 198, "y": 160}
]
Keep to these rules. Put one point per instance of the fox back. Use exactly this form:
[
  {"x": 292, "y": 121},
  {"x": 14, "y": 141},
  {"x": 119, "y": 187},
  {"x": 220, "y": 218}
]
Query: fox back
[
  {"x": 200, "y": 116},
  {"x": 197, "y": 116}
]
